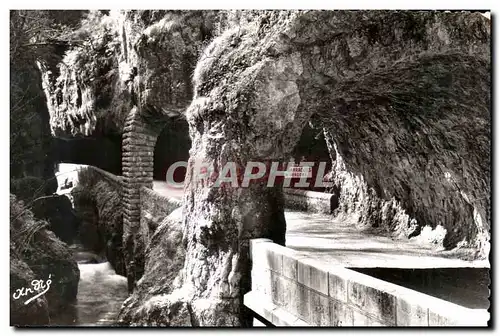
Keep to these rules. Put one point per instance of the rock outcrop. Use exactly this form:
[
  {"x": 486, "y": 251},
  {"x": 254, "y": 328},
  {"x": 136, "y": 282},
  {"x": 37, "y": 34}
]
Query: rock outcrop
[
  {"x": 37, "y": 251},
  {"x": 123, "y": 59},
  {"x": 410, "y": 142},
  {"x": 164, "y": 262},
  {"x": 256, "y": 86}
]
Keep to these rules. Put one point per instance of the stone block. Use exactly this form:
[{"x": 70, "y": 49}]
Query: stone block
[
  {"x": 262, "y": 281},
  {"x": 360, "y": 319},
  {"x": 438, "y": 320},
  {"x": 337, "y": 286},
  {"x": 264, "y": 256},
  {"x": 311, "y": 275},
  {"x": 448, "y": 314},
  {"x": 277, "y": 289},
  {"x": 319, "y": 309},
  {"x": 409, "y": 312},
  {"x": 254, "y": 242},
  {"x": 373, "y": 301},
  {"x": 303, "y": 306},
  {"x": 282, "y": 318},
  {"x": 340, "y": 314},
  {"x": 290, "y": 295},
  {"x": 289, "y": 267},
  {"x": 134, "y": 157}
]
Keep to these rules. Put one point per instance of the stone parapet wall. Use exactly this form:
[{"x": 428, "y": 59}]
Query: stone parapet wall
[
  {"x": 288, "y": 289},
  {"x": 154, "y": 208},
  {"x": 311, "y": 201},
  {"x": 115, "y": 180}
]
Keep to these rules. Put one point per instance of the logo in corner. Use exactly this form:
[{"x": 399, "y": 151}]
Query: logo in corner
[{"x": 38, "y": 287}]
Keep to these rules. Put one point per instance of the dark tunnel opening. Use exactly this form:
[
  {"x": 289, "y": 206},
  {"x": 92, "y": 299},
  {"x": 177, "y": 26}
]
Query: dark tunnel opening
[{"x": 172, "y": 145}]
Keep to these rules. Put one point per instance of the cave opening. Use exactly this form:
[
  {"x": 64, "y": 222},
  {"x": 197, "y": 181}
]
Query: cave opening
[
  {"x": 311, "y": 147},
  {"x": 172, "y": 145},
  {"x": 102, "y": 151}
]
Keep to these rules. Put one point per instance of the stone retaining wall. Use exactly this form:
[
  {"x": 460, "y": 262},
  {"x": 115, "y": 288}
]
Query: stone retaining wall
[
  {"x": 297, "y": 291},
  {"x": 311, "y": 201},
  {"x": 115, "y": 180},
  {"x": 154, "y": 208}
]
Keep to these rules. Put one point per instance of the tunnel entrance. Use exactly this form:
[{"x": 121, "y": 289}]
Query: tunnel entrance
[
  {"x": 104, "y": 152},
  {"x": 312, "y": 147},
  {"x": 172, "y": 145}
]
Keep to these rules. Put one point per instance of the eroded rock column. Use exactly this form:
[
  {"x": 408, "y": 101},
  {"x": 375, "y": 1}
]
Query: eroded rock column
[{"x": 256, "y": 118}]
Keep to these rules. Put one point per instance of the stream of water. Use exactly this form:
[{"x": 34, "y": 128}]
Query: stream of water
[{"x": 101, "y": 293}]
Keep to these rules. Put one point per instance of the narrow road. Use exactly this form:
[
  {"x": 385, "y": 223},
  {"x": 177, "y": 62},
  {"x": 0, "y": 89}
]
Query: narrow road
[{"x": 321, "y": 237}]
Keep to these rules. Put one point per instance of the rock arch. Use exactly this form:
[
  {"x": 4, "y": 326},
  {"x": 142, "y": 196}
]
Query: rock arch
[{"x": 258, "y": 84}]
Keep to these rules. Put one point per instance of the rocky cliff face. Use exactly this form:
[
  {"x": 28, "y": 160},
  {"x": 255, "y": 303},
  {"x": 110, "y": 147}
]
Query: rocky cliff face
[
  {"x": 389, "y": 88},
  {"x": 410, "y": 142},
  {"x": 123, "y": 59},
  {"x": 402, "y": 97}
]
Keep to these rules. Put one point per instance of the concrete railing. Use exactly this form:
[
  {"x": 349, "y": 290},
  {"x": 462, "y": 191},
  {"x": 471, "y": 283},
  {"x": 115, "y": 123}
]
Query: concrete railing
[
  {"x": 289, "y": 289},
  {"x": 311, "y": 201}
]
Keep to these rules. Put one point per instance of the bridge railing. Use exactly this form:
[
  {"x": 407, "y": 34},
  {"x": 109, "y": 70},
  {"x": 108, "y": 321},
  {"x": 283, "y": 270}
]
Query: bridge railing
[{"x": 290, "y": 289}]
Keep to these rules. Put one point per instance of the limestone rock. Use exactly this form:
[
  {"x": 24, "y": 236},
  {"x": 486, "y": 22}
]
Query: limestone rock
[
  {"x": 121, "y": 59},
  {"x": 152, "y": 303},
  {"x": 256, "y": 85}
]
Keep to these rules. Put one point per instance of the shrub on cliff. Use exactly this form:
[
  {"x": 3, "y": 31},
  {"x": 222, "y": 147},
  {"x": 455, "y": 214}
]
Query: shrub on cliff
[
  {"x": 55, "y": 209},
  {"x": 45, "y": 255}
]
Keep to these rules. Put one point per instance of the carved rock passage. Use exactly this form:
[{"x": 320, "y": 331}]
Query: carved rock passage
[
  {"x": 427, "y": 128},
  {"x": 255, "y": 87}
]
